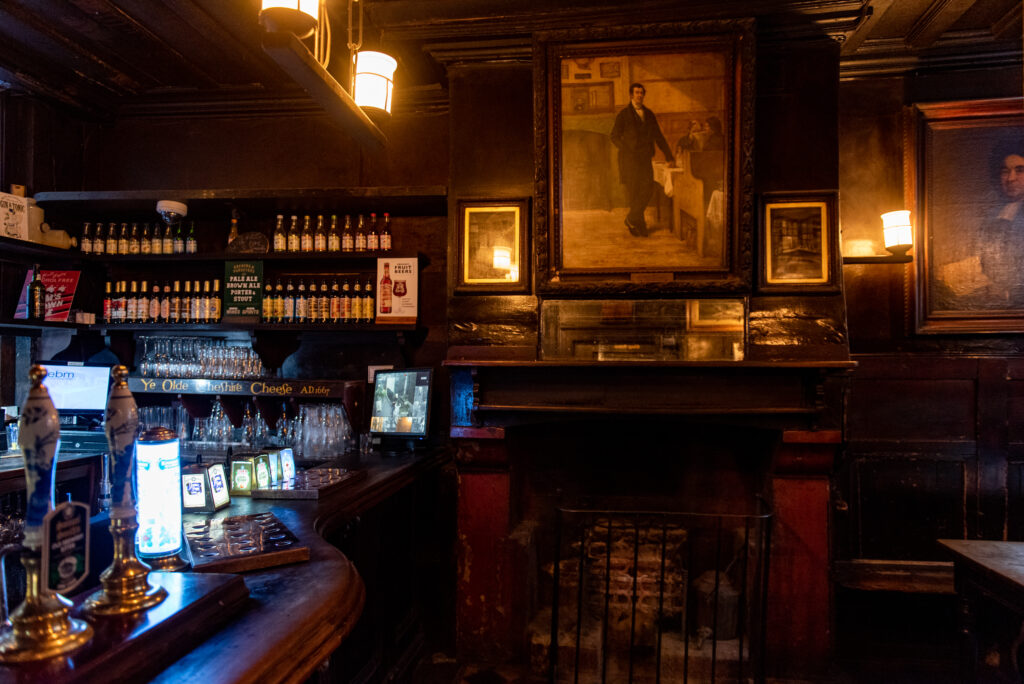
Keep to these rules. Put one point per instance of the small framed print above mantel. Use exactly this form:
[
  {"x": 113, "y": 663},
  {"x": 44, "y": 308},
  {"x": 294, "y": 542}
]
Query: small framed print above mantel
[
  {"x": 492, "y": 246},
  {"x": 799, "y": 251}
]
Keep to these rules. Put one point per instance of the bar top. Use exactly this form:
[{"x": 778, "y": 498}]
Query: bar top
[{"x": 297, "y": 614}]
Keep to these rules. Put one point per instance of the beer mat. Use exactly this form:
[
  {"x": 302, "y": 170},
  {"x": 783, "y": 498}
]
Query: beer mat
[
  {"x": 315, "y": 483},
  {"x": 242, "y": 542}
]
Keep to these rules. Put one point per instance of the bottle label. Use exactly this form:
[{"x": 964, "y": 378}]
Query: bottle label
[
  {"x": 347, "y": 243},
  {"x": 385, "y": 241},
  {"x": 280, "y": 242},
  {"x": 372, "y": 242},
  {"x": 360, "y": 242}
]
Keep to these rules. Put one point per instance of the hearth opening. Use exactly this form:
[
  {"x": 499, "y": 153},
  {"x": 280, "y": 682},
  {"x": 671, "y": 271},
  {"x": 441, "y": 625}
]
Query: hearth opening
[{"x": 648, "y": 548}]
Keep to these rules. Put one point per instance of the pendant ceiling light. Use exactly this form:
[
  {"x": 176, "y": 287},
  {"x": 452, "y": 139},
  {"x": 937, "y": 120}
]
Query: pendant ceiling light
[
  {"x": 299, "y": 17},
  {"x": 372, "y": 72}
]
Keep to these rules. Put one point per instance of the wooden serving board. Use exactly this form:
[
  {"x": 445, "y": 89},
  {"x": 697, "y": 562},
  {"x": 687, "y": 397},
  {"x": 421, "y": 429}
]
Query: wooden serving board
[
  {"x": 241, "y": 543},
  {"x": 315, "y": 483}
]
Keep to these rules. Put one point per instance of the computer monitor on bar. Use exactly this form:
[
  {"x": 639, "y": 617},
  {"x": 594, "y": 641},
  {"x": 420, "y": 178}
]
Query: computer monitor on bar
[
  {"x": 400, "y": 415},
  {"x": 78, "y": 391}
]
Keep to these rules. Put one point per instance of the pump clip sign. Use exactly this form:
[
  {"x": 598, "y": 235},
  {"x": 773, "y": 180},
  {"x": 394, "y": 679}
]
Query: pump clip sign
[{"x": 65, "y": 561}]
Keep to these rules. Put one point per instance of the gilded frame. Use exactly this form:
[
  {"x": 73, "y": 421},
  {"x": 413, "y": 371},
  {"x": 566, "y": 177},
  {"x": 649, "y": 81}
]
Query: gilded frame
[{"x": 693, "y": 72}]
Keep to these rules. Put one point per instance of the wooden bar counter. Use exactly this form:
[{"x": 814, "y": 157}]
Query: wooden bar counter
[{"x": 297, "y": 614}]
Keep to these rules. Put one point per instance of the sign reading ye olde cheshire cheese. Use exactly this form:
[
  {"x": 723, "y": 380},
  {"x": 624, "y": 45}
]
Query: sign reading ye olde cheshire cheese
[{"x": 325, "y": 389}]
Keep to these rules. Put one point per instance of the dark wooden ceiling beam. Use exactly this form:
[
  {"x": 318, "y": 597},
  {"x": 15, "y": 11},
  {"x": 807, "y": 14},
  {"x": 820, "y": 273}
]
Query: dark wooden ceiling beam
[
  {"x": 52, "y": 50},
  {"x": 220, "y": 39},
  {"x": 873, "y": 13},
  {"x": 1010, "y": 25},
  {"x": 64, "y": 97},
  {"x": 935, "y": 21},
  {"x": 138, "y": 22}
]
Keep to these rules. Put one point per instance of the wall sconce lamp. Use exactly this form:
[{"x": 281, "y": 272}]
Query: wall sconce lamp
[
  {"x": 898, "y": 236},
  {"x": 286, "y": 23}
]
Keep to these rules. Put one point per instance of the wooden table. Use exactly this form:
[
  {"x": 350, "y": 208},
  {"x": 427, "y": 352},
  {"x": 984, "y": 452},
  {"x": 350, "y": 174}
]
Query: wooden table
[{"x": 989, "y": 577}]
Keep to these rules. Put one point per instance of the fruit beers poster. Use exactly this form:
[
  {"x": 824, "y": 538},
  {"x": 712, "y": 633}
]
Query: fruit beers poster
[{"x": 396, "y": 290}]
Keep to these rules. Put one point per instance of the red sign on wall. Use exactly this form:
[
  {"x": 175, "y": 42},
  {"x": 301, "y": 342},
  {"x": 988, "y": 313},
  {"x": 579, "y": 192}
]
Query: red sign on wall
[{"x": 60, "y": 289}]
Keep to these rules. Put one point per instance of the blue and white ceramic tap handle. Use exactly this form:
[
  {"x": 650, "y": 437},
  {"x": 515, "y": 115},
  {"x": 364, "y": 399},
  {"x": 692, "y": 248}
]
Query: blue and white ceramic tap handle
[
  {"x": 39, "y": 437},
  {"x": 121, "y": 425}
]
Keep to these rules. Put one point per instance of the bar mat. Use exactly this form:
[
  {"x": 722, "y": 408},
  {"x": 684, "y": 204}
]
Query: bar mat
[
  {"x": 315, "y": 483},
  {"x": 241, "y": 543}
]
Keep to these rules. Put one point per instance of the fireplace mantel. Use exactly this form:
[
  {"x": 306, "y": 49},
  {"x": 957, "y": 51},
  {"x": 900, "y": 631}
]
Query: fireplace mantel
[
  {"x": 801, "y": 402},
  {"x": 488, "y": 393}
]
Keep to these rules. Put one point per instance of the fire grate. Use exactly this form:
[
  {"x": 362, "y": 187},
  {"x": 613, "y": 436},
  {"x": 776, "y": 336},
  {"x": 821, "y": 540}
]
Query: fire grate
[{"x": 647, "y": 597}]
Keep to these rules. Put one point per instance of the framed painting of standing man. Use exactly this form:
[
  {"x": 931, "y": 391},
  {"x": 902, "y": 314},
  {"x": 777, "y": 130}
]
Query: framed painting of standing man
[
  {"x": 968, "y": 189},
  {"x": 644, "y": 139}
]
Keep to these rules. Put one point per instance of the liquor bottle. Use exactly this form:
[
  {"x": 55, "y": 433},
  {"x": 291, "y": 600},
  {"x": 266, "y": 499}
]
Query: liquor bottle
[
  {"x": 156, "y": 241},
  {"x": 294, "y": 241},
  {"x": 346, "y": 302},
  {"x": 306, "y": 242},
  {"x": 280, "y": 238},
  {"x": 233, "y": 232},
  {"x": 361, "y": 235},
  {"x": 154, "y": 304},
  {"x": 133, "y": 240},
  {"x": 195, "y": 303},
  {"x": 167, "y": 244},
  {"x": 312, "y": 304},
  {"x": 335, "y": 302},
  {"x": 146, "y": 243},
  {"x": 333, "y": 237},
  {"x": 121, "y": 303},
  {"x": 268, "y": 303},
  {"x": 111, "y": 243},
  {"x": 325, "y": 302},
  {"x": 320, "y": 236},
  {"x": 385, "y": 290},
  {"x": 385, "y": 233},
  {"x": 369, "y": 305},
  {"x": 191, "y": 246},
  {"x": 131, "y": 303},
  {"x": 289, "y": 303},
  {"x": 108, "y": 304},
  {"x": 215, "y": 302},
  {"x": 348, "y": 240},
  {"x": 122, "y": 240},
  {"x": 301, "y": 303},
  {"x": 178, "y": 245},
  {"x": 36, "y": 296},
  {"x": 142, "y": 308},
  {"x": 165, "y": 302},
  {"x": 356, "y": 312},
  {"x": 372, "y": 239},
  {"x": 204, "y": 303},
  {"x": 278, "y": 302},
  {"x": 85, "y": 244},
  {"x": 179, "y": 306}
]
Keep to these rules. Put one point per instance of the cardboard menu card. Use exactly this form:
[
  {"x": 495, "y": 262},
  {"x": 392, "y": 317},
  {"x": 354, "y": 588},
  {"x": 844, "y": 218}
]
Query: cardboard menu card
[
  {"x": 60, "y": 294},
  {"x": 397, "y": 291}
]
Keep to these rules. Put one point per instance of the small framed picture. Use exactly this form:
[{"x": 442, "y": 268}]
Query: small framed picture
[
  {"x": 799, "y": 249},
  {"x": 492, "y": 246}
]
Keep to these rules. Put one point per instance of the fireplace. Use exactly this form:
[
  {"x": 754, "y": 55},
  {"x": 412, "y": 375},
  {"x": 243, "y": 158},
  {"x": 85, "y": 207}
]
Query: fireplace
[{"x": 626, "y": 512}]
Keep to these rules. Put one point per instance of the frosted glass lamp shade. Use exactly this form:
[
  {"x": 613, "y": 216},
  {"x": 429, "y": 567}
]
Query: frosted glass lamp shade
[
  {"x": 897, "y": 231},
  {"x": 374, "y": 80},
  {"x": 294, "y": 16}
]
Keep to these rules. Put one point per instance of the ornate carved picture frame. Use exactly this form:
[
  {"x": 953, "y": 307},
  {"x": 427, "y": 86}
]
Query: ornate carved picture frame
[{"x": 649, "y": 194}]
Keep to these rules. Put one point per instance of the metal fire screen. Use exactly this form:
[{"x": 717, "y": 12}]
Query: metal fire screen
[{"x": 650, "y": 597}]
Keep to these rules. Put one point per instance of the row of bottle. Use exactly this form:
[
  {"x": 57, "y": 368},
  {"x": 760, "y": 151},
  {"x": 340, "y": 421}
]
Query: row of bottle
[
  {"x": 122, "y": 241},
  {"x": 365, "y": 236},
  {"x": 163, "y": 304},
  {"x": 349, "y": 302}
]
